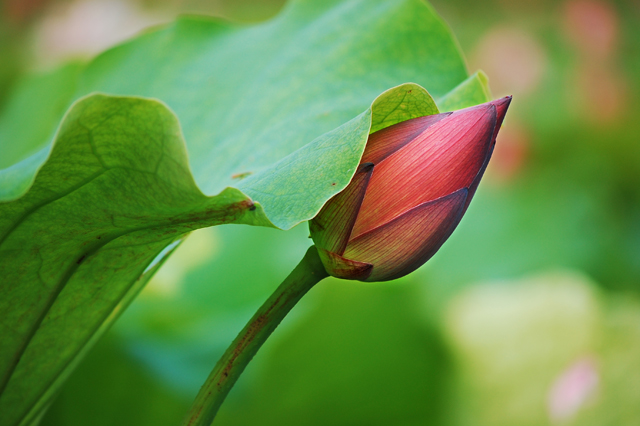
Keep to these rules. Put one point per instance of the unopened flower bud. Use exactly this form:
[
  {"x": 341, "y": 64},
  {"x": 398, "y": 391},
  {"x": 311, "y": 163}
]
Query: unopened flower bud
[{"x": 413, "y": 185}]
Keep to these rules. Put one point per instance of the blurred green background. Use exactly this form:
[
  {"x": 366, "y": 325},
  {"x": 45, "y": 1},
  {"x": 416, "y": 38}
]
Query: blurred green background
[{"x": 529, "y": 314}]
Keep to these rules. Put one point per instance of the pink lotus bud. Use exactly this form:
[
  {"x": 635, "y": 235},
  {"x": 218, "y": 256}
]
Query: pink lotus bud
[{"x": 414, "y": 183}]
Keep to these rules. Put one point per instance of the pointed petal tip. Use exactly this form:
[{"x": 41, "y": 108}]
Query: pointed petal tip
[
  {"x": 502, "y": 102},
  {"x": 504, "y": 99},
  {"x": 461, "y": 193},
  {"x": 502, "y": 105},
  {"x": 365, "y": 167},
  {"x": 487, "y": 110}
]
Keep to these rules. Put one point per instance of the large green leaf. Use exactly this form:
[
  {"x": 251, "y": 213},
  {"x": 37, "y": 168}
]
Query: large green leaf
[{"x": 274, "y": 118}]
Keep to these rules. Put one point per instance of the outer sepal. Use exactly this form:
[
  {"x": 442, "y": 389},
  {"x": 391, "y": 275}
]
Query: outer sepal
[
  {"x": 331, "y": 228},
  {"x": 340, "y": 267}
]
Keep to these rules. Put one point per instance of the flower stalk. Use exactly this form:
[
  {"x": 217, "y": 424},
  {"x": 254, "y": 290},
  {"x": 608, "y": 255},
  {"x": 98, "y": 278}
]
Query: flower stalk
[{"x": 308, "y": 273}]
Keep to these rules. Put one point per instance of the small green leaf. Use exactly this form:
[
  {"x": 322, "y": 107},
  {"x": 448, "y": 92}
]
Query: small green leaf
[
  {"x": 404, "y": 103},
  {"x": 473, "y": 91}
]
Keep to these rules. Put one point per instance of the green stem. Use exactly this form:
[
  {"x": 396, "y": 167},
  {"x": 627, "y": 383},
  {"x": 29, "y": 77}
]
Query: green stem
[{"x": 224, "y": 375}]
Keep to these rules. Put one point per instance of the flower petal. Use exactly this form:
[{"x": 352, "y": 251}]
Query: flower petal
[
  {"x": 476, "y": 181},
  {"x": 331, "y": 228},
  {"x": 385, "y": 142},
  {"x": 444, "y": 158},
  {"x": 403, "y": 244}
]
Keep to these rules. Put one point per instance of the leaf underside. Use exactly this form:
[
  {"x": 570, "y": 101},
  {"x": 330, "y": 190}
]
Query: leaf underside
[{"x": 195, "y": 124}]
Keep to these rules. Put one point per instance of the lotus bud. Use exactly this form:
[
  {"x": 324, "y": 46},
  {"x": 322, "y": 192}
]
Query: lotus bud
[{"x": 413, "y": 185}]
